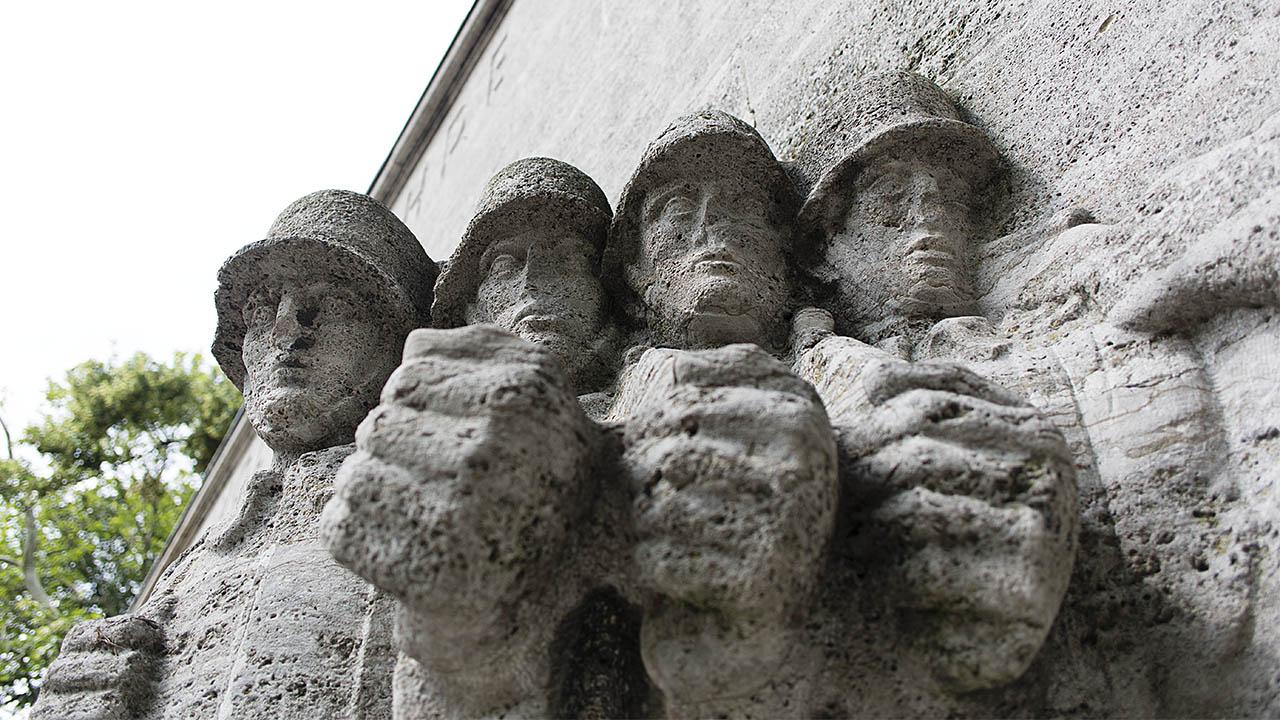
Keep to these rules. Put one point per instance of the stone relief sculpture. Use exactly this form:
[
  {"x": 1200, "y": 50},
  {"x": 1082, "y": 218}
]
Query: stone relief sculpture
[
  {"x": 895, "y": 218},
  {"x": 529, "y": 263},
  {"x": 256, "y": 620},
  {"x": 961, "y": 496},
  {"x": 867, "y": 506},
  {"x": 1141, "y": 414},
  {"x": 731, "y": 465},
  {"x": 729, "y": 461},
  {"x": 461, "y": 502},
  {"x": 700, "y": 243}
]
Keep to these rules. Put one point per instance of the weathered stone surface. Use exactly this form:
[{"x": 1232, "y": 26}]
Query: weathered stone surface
[
  {"x": 731, "y": 464},
  {"x": 256, "y": 619},
  {"x": 459, "y": 502},
  {"x": 1034, "y": 292},
  {"x": 698, "y": 250},
  {"x": 890, "y": 225},
  {"x": 106, "y": 670},
  {"x": 529, "y": 263}
]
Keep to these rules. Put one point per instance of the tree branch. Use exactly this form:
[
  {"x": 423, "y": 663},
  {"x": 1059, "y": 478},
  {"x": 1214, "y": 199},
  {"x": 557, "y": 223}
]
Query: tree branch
[
  {"x": 29, "y": 576},
  {"x": 7, "y": 438}
]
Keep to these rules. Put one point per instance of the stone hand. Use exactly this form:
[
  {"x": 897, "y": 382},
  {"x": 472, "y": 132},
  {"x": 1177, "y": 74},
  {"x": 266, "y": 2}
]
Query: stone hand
[
  {"x": 965, "y": 515},
  {"x": 106, "y": 669},
  {"x": 466, "y": 472}
]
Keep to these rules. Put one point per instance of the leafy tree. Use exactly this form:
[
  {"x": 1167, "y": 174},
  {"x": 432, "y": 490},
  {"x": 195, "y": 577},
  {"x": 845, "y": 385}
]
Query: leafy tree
[{"x": 122, "y": 447}]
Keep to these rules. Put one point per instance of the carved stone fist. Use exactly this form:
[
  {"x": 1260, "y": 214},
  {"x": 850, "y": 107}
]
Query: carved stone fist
[
  {"x": 731, "y": 464},
  {"x": 732, "y": 467},
  {"x": 465, "y": 477},
  {"x": 106, "y": 669},
  {"x": 965, "y": 516}
]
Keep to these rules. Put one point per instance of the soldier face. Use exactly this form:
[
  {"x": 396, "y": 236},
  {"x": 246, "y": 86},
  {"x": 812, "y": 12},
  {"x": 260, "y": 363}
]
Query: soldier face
[
  {"x": 542, "y": 286},
  {"x": 315, "y": 358},
  {"x": 904, "y": 243},
  {"x": 712, "y": 269}
]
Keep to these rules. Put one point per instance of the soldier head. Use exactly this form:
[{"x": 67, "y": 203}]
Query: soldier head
[
  {"x": 890, "y": 226},
  {"x": 311, "y": 320},
  {"x": 702, "y": 236},
  {"x": 529, "y": 263}
]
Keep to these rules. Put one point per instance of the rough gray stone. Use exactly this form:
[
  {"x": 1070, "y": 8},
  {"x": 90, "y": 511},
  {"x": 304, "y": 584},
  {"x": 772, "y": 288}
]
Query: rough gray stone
[
  {"x": 459, "y": 502},
  {"x": 731, "y": 463},
  {"x": 529, "y": 263},
  {"x": 105, "y": 670},
  {"x": 698, "y": 249},
  {"x": 890, "y": 225},
  {"x": 256, "y": 619},
  {"x": 1005, "y": 377},
  {"x": 303, "y": 316}
]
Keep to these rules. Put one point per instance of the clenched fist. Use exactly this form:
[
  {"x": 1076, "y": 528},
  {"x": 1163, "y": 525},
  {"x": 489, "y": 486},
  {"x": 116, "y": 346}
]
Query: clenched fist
[{"x": 465, "y": 477}]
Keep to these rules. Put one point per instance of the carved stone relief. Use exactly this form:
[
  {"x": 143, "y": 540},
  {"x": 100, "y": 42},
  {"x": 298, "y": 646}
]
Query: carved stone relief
[
  {"x": 257, "y": 620},
  {"x": 731, "y": 464},
  {"x": 723, "y": 453},
  {"x": 455, "y": 506},
  {"x": 699, "y": 246},
  {"x": 529, "y": 263}
]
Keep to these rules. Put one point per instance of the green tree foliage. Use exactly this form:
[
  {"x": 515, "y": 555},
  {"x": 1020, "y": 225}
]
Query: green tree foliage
[{"x": 122, "y": 448}]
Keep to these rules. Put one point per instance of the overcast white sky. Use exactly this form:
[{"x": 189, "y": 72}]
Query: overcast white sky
[{"x": 141, "y": 143}]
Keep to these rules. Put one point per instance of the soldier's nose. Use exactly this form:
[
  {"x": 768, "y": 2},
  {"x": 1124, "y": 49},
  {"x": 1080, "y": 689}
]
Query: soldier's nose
[{"x": 289, "y": 330}]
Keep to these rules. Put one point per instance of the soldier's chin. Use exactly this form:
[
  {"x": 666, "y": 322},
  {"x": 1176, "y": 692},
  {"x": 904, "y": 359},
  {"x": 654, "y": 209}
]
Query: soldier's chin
[
  {"x": 567, "y": 347},
  {"x": 295, "y": 420}
]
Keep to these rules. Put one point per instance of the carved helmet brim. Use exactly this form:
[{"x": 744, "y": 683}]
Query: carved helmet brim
[{"x": 529, "y": 194}]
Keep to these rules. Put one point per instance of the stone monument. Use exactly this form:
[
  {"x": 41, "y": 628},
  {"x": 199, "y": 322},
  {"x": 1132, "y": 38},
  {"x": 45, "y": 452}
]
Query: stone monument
[
  {"x": 256, "y": 620},
  {"x": 935, "y": 440}
]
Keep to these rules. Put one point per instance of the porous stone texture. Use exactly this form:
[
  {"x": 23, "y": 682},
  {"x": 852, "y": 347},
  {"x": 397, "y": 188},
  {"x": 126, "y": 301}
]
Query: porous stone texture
[
  {"x": 466, "y": 501},
  {"x": 698, "y": 251},
  {"x": 1004, "y": 444},
  {"x": 529, "y": 263},
  {"x": 303, "y": 318},
  {"x": 106, "y": 670},
  {"x": 256, "y": 619},
  {"x": 731, "y": 464}
]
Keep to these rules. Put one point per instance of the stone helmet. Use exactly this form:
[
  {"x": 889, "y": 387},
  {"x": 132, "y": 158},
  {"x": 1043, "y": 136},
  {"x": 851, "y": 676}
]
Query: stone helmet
[
  {"x": 334, "y": 235},
  {"x": 891, "y": 112},
  {"x": 707, "y": 143},
  {"x": 527, "y": 194}
]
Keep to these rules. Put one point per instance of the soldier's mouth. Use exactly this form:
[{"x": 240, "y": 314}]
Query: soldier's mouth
[
  {"x": 719, "y": 261},
  {"x": 931, "y": 249},
  {"x": 725, "y": 267},
  {"x": 536, "y": 318}
]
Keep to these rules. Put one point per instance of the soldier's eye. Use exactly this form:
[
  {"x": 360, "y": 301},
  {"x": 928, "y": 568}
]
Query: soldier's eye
[
  {"x": 503, "y": 263},
  {"x": 332, "y": 307},
  {"x": 259, "y": 309},
  {"x": 887, "y": 187},
  {"x": 676, "y": 206}
]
